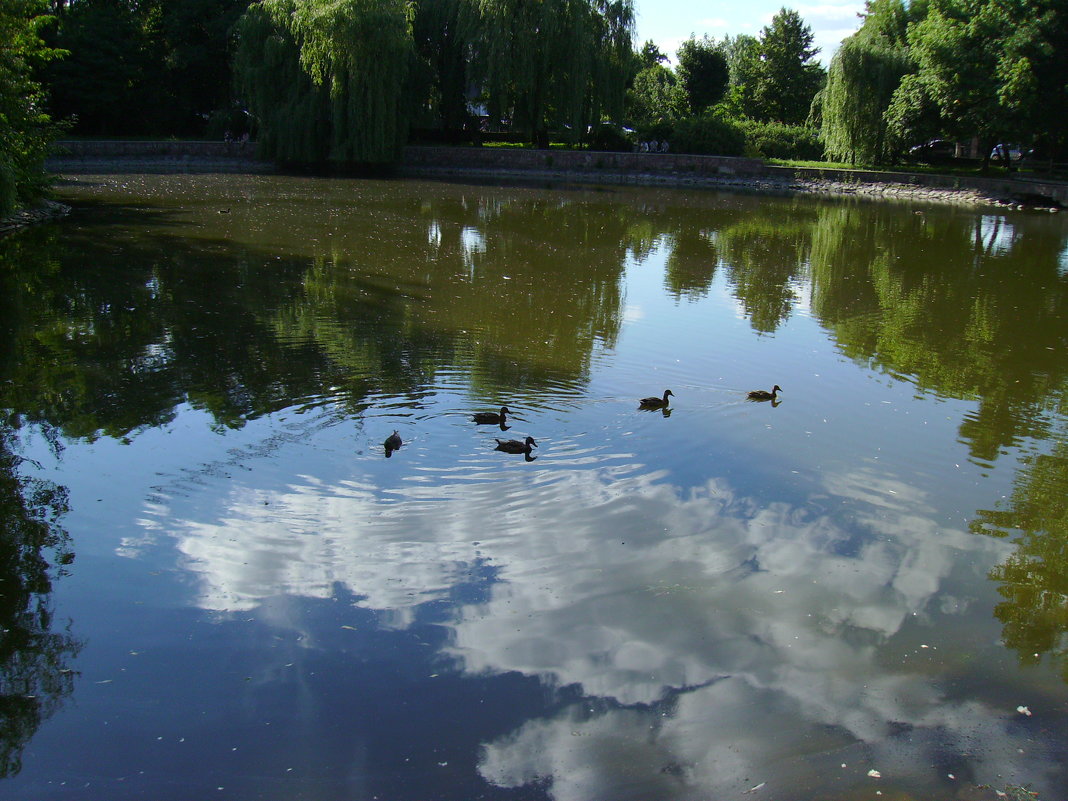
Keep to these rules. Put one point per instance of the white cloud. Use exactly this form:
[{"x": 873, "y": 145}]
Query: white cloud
[{"x": 714, "y": 23}]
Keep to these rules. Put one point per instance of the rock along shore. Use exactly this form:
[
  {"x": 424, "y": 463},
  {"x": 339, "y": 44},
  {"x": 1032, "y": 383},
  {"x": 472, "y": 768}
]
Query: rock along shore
[
  {"x": 44, "y": 211},
  {"x": 721, "y": 172}
]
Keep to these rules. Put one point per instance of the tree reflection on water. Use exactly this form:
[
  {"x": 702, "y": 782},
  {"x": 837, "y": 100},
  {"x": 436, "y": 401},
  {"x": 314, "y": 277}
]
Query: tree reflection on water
[
  {"x": 1034, "y": 580},
  {"x": 34, "y": 656}
]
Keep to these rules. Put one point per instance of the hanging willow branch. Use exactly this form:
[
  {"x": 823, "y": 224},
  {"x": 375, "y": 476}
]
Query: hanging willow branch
[
  {"x": 334, "y": 80},
  {"x": 860, "y": 84},
  {"x": 326, "y": 79},
  {"x": 864, "y": 73},
  {"x": 555, "y": 63}
]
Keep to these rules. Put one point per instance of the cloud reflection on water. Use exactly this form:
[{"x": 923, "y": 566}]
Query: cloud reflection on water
[{"x": 718, "y": 641}]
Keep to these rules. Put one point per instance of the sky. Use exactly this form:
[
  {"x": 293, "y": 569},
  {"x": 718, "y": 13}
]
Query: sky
[{"x": 670, "y": 22}]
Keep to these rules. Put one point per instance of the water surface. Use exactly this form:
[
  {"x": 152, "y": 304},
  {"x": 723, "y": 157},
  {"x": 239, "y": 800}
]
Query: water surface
[{"x": 860, "y": 587}]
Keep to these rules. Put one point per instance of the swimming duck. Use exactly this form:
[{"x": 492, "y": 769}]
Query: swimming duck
[
  {"x": 392, "y": 443},
  {"x": 764, "y": 395},
  {"x": 654, "y": 402},
  {"x": 491, "y": 417},
  {"x": 515, "y": 446}
]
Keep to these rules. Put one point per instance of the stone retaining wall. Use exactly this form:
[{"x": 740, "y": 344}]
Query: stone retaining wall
[
  {"x": 579, "y": 161},
  {"x": 82, "y": 156}
]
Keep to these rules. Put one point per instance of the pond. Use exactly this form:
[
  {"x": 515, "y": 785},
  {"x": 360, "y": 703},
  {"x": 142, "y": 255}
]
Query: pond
[{"x": 216, "y": 585}]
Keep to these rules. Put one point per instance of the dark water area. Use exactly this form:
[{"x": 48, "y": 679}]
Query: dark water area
[{"x": 214, "y": 584}]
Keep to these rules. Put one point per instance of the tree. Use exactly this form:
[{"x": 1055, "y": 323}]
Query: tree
[
  {"x": 788, "y": 79},
  {"x": 703, "y": 72},
  {"x": 126, "y": 56},
  {"x": 26, "y": 130},
  {"x": 650, "y": 55},
  {"x": 995, "y": 68},
  {"x": 326, "y": 80},
  {"x": 444, "y": 32},
  {"x": 100, "y": 86},
  {"x": 864, "y": 74},
  {"x": 191, "y": 46},
  {"x": 555, "y": 63},
  {"x": 912, "y": 115},
  {"x": 656, "y": 97},
  {"x": 742, "y": 53}
]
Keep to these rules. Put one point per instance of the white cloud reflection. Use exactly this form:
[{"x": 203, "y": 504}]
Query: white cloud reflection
[{"x": 726, "y": 642}]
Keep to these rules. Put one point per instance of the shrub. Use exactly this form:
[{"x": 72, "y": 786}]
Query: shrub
[
  {"x": 656, "y": 131},
  {"x": 607, "y": 136},
  {"x": 709, "y": 134},
  {"x": 774, "y": 140}
]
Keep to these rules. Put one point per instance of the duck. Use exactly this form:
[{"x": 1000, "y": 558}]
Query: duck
[
  {"x": 491, "y": 417},
  {"x": 654, "y": 402},
  {"x": 764, "y": 395},
  {"x": 515, "y": 446},
  {"x": 392, "y": 443}
]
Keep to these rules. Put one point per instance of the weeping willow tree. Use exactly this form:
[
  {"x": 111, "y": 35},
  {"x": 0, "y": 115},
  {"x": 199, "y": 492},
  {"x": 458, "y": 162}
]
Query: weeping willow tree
[
  {"x": 554, "y": 63},
  {"x": 327, "y": 79},
  {"x": 444, "y": 32},
  {"x": 864, "y": 73}
]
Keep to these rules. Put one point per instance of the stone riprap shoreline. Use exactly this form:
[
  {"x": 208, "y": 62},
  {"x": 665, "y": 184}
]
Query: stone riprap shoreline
[
  {"x": 43, "y": 212},
  {"x": 566, "y": 166},
  {"x": 721, "y": 172}
]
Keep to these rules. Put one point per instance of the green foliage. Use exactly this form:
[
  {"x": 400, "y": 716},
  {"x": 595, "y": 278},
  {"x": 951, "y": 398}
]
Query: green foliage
[
  {"x": 774, "y": 140},
  {"x": 658, "y": 131},
  {"x": 709, "y": 134},
  {"x": 742, "y": 54},
  {"x": 101, "y": 85},
  {"x": 993, "y": 68},
  {"x": 444, "y": 32},
  {"x": 609, "y": 137},
  {"x": 864, "y": 74},
  {"x": 326, "y": 80},
  {"x": 143, "y": 68},
  {"x": 655, "y": 96},
  {"x": 650, "y": 55},
  {"x": 291, "y": 110},
  {"x": 26, "y": 131},
  {"x": 912, "y": 116},
  {"x": 787, "y": 78},
  {"x": 555, "y": 64},
  {"x": 702, "y": 72}
]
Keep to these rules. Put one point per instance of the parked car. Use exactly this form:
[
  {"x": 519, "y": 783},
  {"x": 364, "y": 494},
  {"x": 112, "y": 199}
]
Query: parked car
[
  {"x": 934, "y": 150},
  {"x": 1011, "y": 153}
]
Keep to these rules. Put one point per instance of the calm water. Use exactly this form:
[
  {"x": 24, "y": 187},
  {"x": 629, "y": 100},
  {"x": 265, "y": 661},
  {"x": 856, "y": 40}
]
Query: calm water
[{"x": 247, "y": 600}]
